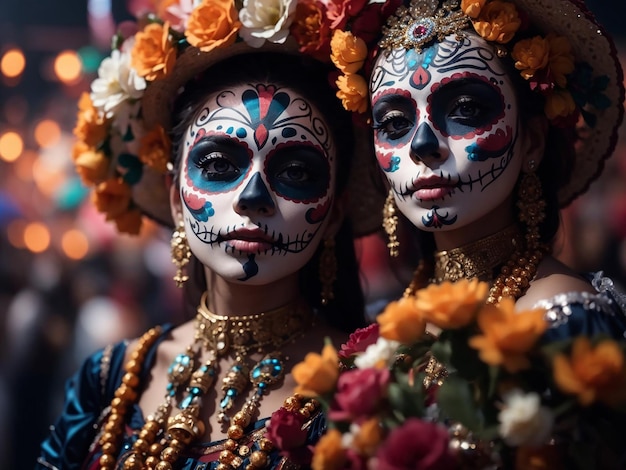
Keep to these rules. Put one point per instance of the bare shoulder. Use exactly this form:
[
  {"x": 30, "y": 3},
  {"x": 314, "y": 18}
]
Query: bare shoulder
[{"x": 553, "y": 278}]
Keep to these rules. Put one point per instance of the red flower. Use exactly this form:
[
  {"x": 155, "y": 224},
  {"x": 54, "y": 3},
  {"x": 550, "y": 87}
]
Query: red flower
[
  {"x": 359, "y": 392},
  {"x": 368, "y": 24},
  {"x": 340, "y": 11},
  {"x": 285, "y": 431},
  {"x": 416, "y": 445},
  {"x": 359, "y": 341}
]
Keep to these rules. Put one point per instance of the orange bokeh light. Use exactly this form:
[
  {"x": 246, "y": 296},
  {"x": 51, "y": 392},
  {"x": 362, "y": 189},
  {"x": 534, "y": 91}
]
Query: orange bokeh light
[
  {"x": 47, "y": 133},
  {"x": 67, "y": 66},
  {"x": 36, "y": 237},
  {"x": 74, "y": 244},
  {"x": 15, "y": 233},
  {"x": 11, "y": 146},
  {"x": 12, "y": 63}
]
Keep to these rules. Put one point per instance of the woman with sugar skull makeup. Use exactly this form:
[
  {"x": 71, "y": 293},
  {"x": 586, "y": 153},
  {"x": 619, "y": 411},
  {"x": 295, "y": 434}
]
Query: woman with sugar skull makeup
[{"x": 241, "y": 121}]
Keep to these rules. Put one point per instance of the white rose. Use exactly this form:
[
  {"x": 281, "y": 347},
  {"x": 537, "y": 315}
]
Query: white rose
[
  {"x": 382, "y": 350},
  {"x": 117, "y": 83},
  {"x": 266, "y": 20},
  {"x": 523, "y": 421}
]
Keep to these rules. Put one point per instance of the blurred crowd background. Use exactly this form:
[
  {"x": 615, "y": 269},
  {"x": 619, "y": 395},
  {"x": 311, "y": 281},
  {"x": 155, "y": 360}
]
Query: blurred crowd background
[{"x": 69, "y": 284}]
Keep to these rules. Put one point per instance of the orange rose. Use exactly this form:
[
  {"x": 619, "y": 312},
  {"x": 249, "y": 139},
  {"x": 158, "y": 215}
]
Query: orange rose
[
  {"x": 352, "y": 92},
  {"x": 559, "y": 103},
  {"x": 369, "y": 437},
  {"x": 311, "y": 30},
  {"x": 592, "y": 372},
  {"x": 91, "y": 126},
  {"x": 129, "y": 222},
  {"x": 155, "y": 148},
  {"x": 329, "y": 453},
  {"x": 348, "y": 51},
  {"x": 153, "y": 55},
  {"x": 561, "y": 59},
  {"x": 212, "y": 24},
  {"x": 112, "y": 197},
  {"x": 91, "y": 165},
  {"x": 317, "y": 374},
  {"x": 531, "y": 55},
  {"x": 498, "y": 21},
  {"x": 472, "y": 8},
  {"x": 507, "y": 335},
  {"x": 451, "y": 305},
  {"x": 401, "y": 321}
]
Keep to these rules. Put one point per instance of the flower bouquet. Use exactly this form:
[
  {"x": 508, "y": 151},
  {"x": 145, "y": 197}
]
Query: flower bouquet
[{"x": 483, "y": 390}]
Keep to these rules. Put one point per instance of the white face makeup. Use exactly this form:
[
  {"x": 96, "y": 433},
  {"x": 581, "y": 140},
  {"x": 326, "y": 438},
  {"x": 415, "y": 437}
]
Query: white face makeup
[
  {"x": 446, "y": 131},
  {"x": 257, "y": 180}
]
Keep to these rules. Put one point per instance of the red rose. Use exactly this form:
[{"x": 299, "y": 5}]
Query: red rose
[
  {"x": 416, "y": 445},
  {"x": 340, "y": 11},
  {"x": 368, "y": 23},
  {"x": 285, "y": 431},
  {"x": 359, "y": 341},
  {"x": 359, "y": 392}
]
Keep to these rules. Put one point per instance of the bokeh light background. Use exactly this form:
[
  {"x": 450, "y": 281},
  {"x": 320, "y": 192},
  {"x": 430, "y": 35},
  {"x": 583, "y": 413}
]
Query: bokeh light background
[{"x": 69, "y": 284}]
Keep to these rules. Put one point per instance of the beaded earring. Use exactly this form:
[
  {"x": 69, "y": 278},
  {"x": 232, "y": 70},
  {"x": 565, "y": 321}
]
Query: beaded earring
[
  {"x": 390, "y": 224},
  {"x": 328, "y": 270},
  {"x": 180, "y": 253}
]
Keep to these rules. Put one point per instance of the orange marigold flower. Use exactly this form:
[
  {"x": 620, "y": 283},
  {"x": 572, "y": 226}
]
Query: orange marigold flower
[
  {"x": 317, "y": 374},
  {"x": 91, "y": 126},
  {"x": 329, "y": 453},
  {"x": 368, "y": 438},
  {"x": 559, "y": 103},
  {"x": 472, "y": 8},
  {"x": 498, "y": 21},
  {"x": 311, "y": 30},
  {"x": 153, "y": 55},
  {"x": 348, "y": 51},
  {"x": 561, "y": 60},
  {"x": 507, "y": 335},
  {"x": 213, "y": 24},
  {"x": 451, "y": 305},
  {"x": 531, "y": 55},
  {"x": 592, "y": 372},
  {"x": 154, "y": 149},
  {"x": 129, "y": 222},
  {"x": 352, "y": 92},
  {"x": 91, "y": 165},
  {"x": 401, "y": 321},
  {"x": 112, "y": 197}
]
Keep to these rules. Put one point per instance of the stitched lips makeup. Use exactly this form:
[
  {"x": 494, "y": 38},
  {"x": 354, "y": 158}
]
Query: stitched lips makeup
[{"x": 249, "y": 240}]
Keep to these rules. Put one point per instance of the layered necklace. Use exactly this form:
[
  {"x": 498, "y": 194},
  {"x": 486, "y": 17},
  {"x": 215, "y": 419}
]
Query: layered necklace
[{"x": 176, "y": 423}]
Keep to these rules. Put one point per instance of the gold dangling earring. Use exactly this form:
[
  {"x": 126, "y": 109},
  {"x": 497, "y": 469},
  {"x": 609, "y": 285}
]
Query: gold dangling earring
[
  {"x": 180, "y": 253},
  {"x": 328, "y": 270},
  {"x": 390, "y": 224}
]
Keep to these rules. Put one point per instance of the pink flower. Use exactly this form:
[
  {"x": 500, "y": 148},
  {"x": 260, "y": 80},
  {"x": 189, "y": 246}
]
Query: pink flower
[
  {"x": 340, "y": 11},
  {"x": 359, "y": 391},
  {"x": 416, "y": 445},
  {"x": 285, "y": 431},
  {"x": 359, "y": 341}
]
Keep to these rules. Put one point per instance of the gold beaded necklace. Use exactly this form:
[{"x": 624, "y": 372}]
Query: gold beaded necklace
[{"x": 164, "y": 436}]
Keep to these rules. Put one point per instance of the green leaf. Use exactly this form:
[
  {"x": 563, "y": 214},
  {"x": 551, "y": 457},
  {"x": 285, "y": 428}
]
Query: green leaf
[
  {"x": 405, "y": 400},
  {"x": 456, "y": 402},
  {"x": 442, "y": 350},
  {"x": 463, "y": 358}
]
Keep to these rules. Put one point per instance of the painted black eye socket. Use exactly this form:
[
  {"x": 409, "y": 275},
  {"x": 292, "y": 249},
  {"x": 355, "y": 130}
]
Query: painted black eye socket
[
  {"x": 394, "y": 117},
  {"x": 217, "y": 167},
  {"x": 217, "y": 159},
  {"x": 295, "y": 172},
  {"x": 299, "y": 173},
  {"x": 393, "y": 127}
]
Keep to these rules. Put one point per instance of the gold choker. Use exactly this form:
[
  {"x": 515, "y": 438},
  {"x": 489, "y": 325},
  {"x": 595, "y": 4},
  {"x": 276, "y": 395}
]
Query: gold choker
[{"x": 479, "y": 259}]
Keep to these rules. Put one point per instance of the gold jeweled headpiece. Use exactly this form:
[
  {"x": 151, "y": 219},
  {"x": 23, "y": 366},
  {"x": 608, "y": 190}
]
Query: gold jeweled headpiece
[{"x": 415, "y": 26}]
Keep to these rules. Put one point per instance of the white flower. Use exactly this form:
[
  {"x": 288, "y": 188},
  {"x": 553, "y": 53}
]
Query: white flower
[
  {"x": 382, "y": 350},
  {"x": 523, "y": 421},
  {"x": 117, "y": 83},
  {"x": 266, "y": 20}
]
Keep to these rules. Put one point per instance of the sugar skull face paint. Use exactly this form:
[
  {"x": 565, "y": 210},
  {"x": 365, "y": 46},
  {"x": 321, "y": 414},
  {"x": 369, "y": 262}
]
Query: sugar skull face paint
[
  {"x": 257, "y": 180},
  {"x": 446, "y": 131}
]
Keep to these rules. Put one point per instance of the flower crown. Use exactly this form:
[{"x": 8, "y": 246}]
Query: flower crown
[{"x": 116, "y": 148}]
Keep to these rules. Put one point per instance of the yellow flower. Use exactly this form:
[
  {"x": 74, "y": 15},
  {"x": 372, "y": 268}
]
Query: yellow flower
[
  {"x": 153, "y": 55},
  {"x": 317, "y": 374},
  {"x": 368, "y": 438},
  {"x": 112, "y": 197},
  {"x": 91, "y": 126},
  {"x": 472, "y": 8},
  {"x": 401, "y": 321},
  {"x": 129, "y": 222},
  {"x": 561, "y": 60},
  {"x": 592, "y": 372},
  {"x": 507, "y": 335},
  {"x": 531, "y": 55},
  {"x": 498, "y": 21},
  {"x": 155, "y": 148},
  {"x": 91, "y": 165},
  {"x": 352, "y": 92},
  {"x": 559, "y": 103},
  {"x": 451, "y": 305},
  {"x": 212, "y": 24},
  {"x": 329, "y": 453},
  {"x": 348, "y": 52}
]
